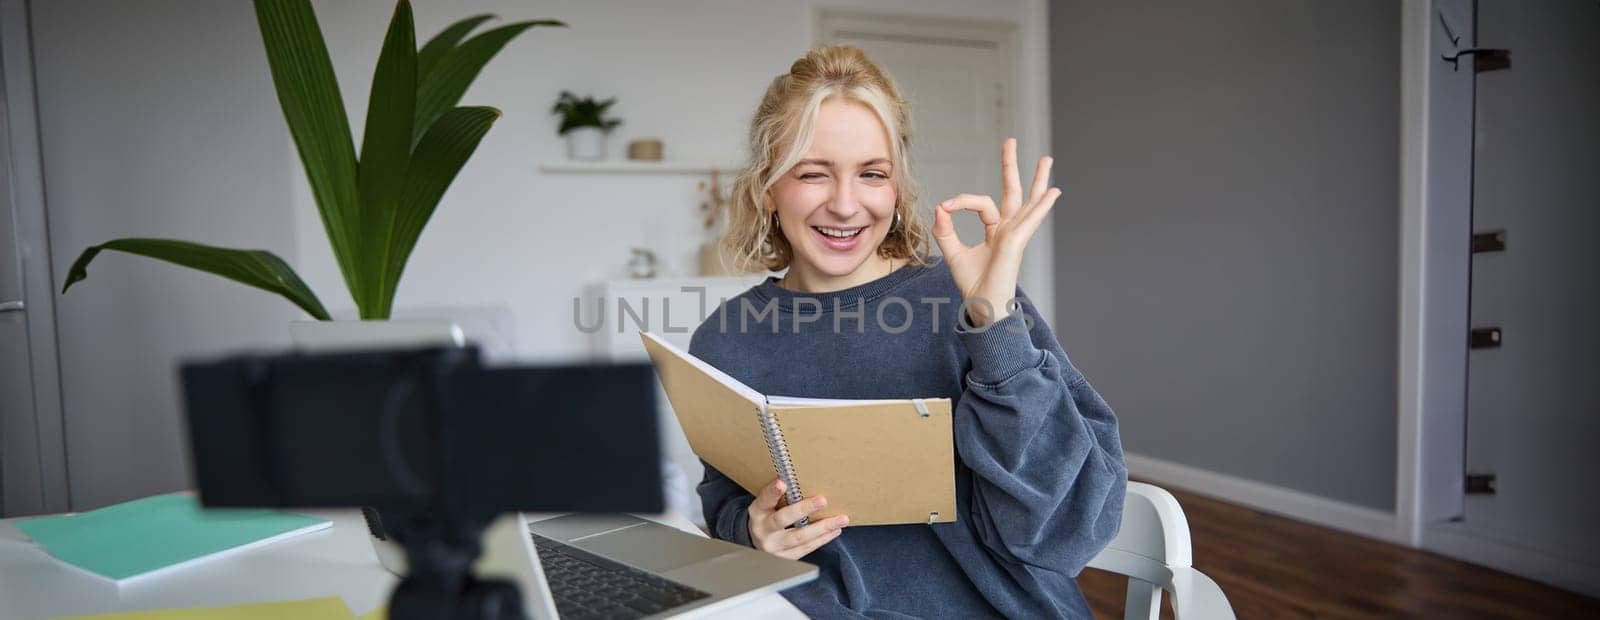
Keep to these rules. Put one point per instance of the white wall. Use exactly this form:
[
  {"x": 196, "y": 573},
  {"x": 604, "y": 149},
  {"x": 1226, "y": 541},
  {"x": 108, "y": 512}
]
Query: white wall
[
  {"x": 688, "y": 72},
  {"x": 158, "y": 118}
]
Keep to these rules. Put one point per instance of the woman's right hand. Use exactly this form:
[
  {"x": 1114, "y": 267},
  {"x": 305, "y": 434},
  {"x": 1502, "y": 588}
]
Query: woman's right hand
[{"x": 770, "y": 520}]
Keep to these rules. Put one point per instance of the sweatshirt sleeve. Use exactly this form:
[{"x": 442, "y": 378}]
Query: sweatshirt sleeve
[
  {"x": 725, "y": 504},
  {"x": 1048, "y": 474}
]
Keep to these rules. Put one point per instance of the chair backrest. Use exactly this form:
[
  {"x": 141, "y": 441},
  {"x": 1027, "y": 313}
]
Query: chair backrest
[
  {"x": 1153, "y": 528},
  {"x": 1152, "y": 549}
]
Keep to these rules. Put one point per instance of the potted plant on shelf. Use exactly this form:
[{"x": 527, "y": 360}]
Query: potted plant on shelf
[
  {"x": 584, "y": 124},
  {"x": 373, "y": 207}
]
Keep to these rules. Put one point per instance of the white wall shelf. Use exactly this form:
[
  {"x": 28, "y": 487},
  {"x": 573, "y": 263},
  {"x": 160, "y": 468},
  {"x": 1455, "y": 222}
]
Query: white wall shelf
[{"x": 635, "y": 167}]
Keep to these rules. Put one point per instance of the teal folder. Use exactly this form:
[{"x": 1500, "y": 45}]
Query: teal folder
[{"x": 150, "y": 535}]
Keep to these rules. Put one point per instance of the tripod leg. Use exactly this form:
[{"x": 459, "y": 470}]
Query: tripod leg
[
  {"x": 415, "y": 600},
  {"x": 492, "y": 599}
]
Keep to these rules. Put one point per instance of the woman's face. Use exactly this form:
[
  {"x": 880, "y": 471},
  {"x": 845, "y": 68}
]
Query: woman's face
[{"x": 836, "y": 206}]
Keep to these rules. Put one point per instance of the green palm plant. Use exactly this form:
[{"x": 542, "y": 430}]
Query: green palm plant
[{"x": 373, "y": 208}]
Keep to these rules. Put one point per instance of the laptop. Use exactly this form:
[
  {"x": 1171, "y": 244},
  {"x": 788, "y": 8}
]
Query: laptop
[
  {"x": 621, "y": 566},
  {"x": 584, "y": 565}
]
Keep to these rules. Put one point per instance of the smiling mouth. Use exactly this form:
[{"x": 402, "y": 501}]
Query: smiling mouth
[{"x": 838, "y": 233}]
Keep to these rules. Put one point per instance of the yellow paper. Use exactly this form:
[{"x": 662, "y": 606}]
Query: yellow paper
[
  {"x": 330, "y": 608},
  {"x": 381, "y": 613}
]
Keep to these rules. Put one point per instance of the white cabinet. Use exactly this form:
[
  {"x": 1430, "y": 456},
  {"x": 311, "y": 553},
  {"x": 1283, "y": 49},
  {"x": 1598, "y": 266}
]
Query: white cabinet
[
  {"x": 614, "y": 312},
  {"x": 670, "y": 308}
]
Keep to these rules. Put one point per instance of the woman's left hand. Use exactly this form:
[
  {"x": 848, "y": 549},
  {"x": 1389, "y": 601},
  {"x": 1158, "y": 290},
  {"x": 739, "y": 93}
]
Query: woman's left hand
[{"x": 987, "y": 273}]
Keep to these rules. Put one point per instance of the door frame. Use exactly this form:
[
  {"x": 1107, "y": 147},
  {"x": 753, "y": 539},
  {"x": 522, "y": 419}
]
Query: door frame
[
  {"x": 38, "y": 288},
  {"x": 1025, "y": 47},
  {"x": 1435, "y": 274}
]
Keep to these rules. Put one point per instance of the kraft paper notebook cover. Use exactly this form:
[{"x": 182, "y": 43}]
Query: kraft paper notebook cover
[{"x": 881, "y": 462}]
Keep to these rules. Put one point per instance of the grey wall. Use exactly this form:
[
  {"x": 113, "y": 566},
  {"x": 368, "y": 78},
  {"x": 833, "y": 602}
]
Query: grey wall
[
  {"x": 151, "y": 126},
  {"x": 1227, "y": 242},
  {"x": 34, "y": 461}
]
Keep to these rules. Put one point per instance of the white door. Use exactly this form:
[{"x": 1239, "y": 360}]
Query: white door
[
  {"x": 1533, "y": 393},
  {"x": 958, "y": 79}
]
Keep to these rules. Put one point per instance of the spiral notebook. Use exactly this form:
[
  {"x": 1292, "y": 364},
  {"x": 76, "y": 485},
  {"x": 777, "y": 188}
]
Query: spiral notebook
[{"x": 881, "y": 462}]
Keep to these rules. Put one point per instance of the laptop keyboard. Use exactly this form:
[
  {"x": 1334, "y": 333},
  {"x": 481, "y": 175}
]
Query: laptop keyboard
[{"x": 586, "y": 585}]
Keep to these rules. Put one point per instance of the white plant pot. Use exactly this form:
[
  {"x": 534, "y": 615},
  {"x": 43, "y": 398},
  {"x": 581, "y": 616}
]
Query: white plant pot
[
  {"x": 587, "y": 144},
  {"x": 376, "y": 334}
]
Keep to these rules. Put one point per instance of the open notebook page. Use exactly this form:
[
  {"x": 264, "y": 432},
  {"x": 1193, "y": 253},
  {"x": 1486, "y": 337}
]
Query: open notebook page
[
  {"x": 800, "y": 401},
  {"x": 721, "y": 377}
]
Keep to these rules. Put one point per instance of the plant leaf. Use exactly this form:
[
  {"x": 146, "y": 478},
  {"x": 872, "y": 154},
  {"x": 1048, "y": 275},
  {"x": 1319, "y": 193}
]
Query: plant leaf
[
  {"x": 439, "y": 156},
  {"x": 314, "y": 111},
  {"x": 446, "y": 41},
  {"x": 385, "y": 150},
  {"x": 257, "y": 268},
  {"x": 442, "y": 87}
]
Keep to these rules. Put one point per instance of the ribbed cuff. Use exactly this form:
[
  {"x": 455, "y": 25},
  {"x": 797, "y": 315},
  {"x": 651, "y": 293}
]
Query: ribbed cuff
[
  {"x": 1003, "y": 349},
  {"x": 736, "y": 523}
]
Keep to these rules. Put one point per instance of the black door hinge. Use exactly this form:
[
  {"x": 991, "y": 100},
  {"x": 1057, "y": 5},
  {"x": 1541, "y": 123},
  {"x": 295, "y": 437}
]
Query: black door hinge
[
  {"x": 1493, "y": 241},
  {"x": 1484, "y": 338},
  {"x": 1480, "y": 484}
]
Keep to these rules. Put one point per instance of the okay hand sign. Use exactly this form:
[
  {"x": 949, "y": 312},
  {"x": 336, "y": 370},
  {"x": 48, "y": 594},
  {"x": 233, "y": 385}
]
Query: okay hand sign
[{"x": 988, "y": 271}]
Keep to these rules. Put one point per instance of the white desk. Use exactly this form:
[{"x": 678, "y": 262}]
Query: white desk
[{"x": 338, "y": 561}]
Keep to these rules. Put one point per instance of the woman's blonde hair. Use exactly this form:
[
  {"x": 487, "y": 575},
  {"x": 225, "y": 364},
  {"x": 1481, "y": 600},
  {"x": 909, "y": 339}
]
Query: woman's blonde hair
[{"x": 780, "y": 135}]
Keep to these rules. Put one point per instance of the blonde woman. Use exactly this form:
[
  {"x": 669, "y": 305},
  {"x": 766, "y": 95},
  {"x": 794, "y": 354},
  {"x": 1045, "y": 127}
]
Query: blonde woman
[{"x": 863, "y": 312}]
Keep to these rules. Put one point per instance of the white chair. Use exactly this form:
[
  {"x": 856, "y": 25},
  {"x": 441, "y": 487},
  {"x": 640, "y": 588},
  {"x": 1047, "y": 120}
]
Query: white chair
[{"x": 1152, "y": 550}]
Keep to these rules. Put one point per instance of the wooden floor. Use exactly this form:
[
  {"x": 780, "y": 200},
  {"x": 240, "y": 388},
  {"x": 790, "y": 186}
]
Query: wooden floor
[{"x": 1271, "y": 568}]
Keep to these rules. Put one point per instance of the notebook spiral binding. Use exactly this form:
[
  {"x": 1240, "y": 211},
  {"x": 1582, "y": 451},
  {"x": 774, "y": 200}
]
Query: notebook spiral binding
[{"x": 779, "y": 450}]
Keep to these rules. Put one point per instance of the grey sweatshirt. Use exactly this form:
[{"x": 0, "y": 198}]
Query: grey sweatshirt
[{"x": 1039, "y": 470}]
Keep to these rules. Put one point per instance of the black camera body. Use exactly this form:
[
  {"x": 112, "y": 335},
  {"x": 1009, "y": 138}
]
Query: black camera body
[{"x": 431, "y": 444}]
